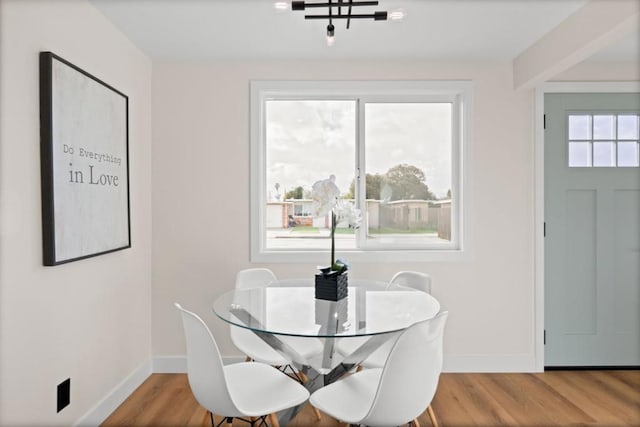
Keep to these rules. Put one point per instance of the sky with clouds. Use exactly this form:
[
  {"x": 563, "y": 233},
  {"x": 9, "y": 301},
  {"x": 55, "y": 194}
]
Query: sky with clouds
[{"x": 310, "y": 140}]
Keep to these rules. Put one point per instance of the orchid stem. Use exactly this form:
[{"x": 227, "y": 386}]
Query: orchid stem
[{"x": 333, "y": 243}]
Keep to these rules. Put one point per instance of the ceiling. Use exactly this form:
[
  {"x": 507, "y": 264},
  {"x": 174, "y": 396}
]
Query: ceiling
[{"x": 210, "y": 30}]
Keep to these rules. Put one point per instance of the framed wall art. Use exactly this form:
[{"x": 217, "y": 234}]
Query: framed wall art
[{"x": 84, "y": 145}]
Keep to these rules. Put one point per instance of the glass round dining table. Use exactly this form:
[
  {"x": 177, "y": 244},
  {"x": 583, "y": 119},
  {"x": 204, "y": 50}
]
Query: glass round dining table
[
  {"x": 288, "y": 310},
  {"x": 286, "y": 314},
  {"x": 282, "y": 308}
]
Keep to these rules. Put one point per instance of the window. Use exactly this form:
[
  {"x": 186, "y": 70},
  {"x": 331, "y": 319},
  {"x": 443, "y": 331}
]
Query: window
[
  {"x": 396, "y": 150},
  {"x": 302, "y": 208},
  {"x": 604, "y": 140}
]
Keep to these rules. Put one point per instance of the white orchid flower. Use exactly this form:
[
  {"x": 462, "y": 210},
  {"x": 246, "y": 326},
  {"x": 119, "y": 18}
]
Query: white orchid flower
[
  {"x": 326, "y": 198},
  {"x": 324, "y": 194},
  {"x": 346, "y": 211}
]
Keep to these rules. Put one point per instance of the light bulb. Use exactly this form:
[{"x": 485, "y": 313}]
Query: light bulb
[
  {"x": 330, "y": 35},
  {"x": 397, "y": 15},
  {"x": 281, "y": 5}
]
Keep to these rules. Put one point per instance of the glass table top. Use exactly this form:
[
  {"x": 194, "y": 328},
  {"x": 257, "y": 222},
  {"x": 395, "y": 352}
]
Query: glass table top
[{"x": 294, "y": 310}]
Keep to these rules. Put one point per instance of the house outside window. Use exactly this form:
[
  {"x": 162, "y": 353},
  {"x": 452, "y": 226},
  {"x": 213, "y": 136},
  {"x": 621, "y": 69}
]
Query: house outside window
[{"x": 396, "y": 149}]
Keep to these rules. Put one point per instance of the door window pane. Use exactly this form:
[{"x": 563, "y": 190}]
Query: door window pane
[
  {"x": 628, "y": 153},
  {"x": 579, "y": 127},
  {"x": 628, "y": 126},
  {"x": 579, "y": 154},
  {"x": 603, "y": 140},
  {"x": 604, "y": 154},
  {"x": 604, "y": 127}
]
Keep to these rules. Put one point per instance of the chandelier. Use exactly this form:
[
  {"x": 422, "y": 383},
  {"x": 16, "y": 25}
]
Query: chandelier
[{"x": 342, "y": 9}]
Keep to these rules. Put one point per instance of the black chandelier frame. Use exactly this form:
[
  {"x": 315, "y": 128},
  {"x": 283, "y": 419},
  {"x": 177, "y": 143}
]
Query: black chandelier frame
[{"x": 336, "y": 10}]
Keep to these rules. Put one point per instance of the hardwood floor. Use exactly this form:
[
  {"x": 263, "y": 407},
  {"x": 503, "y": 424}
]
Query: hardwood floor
[{"x": 555, "y": 398}]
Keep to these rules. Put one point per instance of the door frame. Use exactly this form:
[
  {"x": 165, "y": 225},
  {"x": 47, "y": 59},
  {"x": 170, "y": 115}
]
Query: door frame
[{"x": 540, "y": 91}]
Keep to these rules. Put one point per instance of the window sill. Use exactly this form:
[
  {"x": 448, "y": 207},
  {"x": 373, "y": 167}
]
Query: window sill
[{"x": 359, "y": 256}]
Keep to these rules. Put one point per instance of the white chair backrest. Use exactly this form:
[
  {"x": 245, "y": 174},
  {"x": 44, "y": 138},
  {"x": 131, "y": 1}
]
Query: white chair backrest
[
  {"x": 411, "y": 279},
  {"x": 410, "y": 375},
  {"x": 254, "y": 278},
  {"x": 249, "y": 278},
  {"x": 204, "y": 366},
  {"x": 287, "y": 283}
]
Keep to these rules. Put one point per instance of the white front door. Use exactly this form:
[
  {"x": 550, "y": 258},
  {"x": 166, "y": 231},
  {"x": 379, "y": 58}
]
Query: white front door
[{"x": 592, "y": 230}]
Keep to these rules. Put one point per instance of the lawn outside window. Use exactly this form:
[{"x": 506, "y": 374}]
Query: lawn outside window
[{"x": 399, "y": 151}]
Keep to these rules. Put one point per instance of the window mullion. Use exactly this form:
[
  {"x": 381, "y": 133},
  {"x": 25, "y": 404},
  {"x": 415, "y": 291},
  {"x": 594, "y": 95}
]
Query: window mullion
[
  {"x": 615, "y": 140},
  {"x": 593, "y": 142},
  {"x": 361, "y": 196}
]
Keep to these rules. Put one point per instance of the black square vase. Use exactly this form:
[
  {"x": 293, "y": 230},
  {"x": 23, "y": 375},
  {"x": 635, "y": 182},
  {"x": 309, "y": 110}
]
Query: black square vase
[{"x": 332, "y": 287}]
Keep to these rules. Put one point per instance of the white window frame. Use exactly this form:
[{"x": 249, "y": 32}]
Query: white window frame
[{"x": 459, "y": 92}]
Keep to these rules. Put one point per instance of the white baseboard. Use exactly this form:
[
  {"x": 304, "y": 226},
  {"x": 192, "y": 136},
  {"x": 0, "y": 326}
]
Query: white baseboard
[
  {"x": 96, "y": 415},
  {"x": 490, "y": 363},
  {"x": 169, "y": 365},
  {"x": 178, "y": 364}
]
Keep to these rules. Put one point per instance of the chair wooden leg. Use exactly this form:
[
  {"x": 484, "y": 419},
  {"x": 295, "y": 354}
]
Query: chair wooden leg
[
  {"x": 303, "y": 377},
  {"x": 432, "y": 416},
  {"x": 247, "y": 359},
  {"x": 359, "y": 368},
  {"x": 415, "y": 423},
  {"x": 315, "y": 411},
  {"x": 274, "y": 420}
]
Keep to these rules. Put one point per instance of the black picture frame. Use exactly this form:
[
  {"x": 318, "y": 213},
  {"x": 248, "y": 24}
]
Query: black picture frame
[{"x": 84, "y": 162}]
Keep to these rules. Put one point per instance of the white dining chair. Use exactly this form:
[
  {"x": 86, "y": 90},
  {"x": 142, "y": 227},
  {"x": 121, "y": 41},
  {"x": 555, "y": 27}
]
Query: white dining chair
[
  {"x": 244, "y": 339},
  {"x": 237, "y": 390},
  {"x": 401, "y": 280},
  {"x": 397, "y": 393},
  {"x": 254, "y": 278},
  {"x": 410, "y": 279},
  {"x": 253, "y": 346},
  {"x": 257, "y": 349}
]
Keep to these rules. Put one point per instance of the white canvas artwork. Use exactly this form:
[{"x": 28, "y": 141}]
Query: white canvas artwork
[{"x": 85, "y": 164}]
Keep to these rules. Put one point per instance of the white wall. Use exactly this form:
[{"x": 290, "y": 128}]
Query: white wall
[
  {"x": 201, "y": 162},
  {"x": 89, "y": 320}
]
